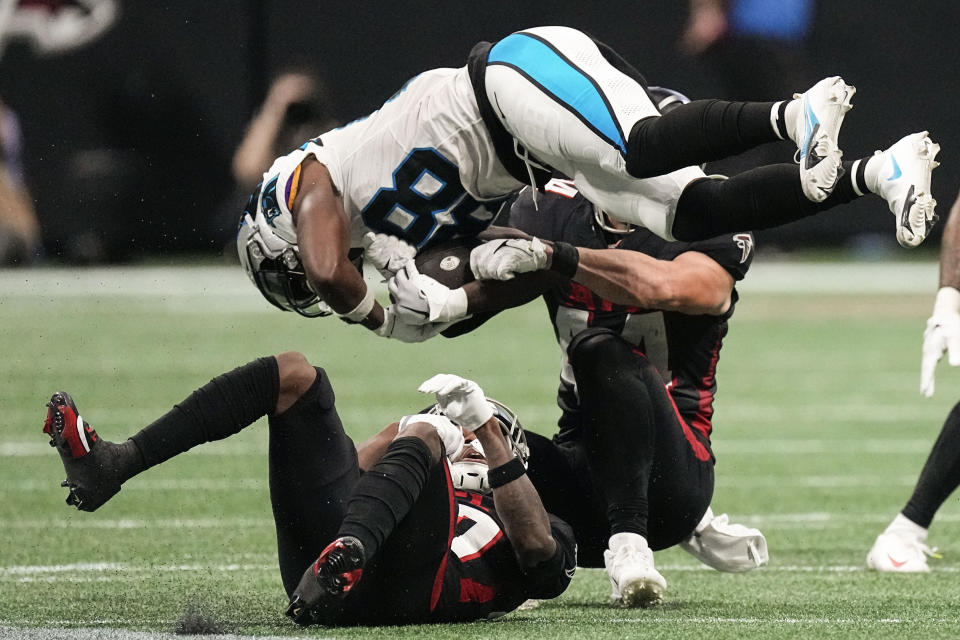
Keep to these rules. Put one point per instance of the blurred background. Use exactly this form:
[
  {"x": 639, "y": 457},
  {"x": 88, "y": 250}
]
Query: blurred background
[{"x": 132, "y": 130}]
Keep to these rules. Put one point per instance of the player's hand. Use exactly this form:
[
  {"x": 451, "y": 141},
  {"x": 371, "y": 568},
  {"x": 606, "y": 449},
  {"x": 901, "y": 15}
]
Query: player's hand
[
  {"x": 419, "y": 299},
  {"x": 503, "y": 259},
  {"x": 387, "y": 253},
  {"x": 942, "y": 334},
  {"x": 450, "y": 435},
  {"x": 460, "y": 399},
  {"x": 394, "y": 327}
]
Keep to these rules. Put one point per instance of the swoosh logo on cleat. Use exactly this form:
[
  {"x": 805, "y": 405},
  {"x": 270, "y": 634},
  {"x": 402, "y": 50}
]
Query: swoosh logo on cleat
[
  {"x": 810, "y": 157},
  {"x": 896, "y": 169},
  {"x": 905, "y": 212},
  {"x": 895, "y": 562}
]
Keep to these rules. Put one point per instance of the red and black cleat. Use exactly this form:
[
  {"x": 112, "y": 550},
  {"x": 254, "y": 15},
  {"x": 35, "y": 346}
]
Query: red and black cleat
[
  {"x": 330, "y": 578},
  {"x": 91, "y": 477}
]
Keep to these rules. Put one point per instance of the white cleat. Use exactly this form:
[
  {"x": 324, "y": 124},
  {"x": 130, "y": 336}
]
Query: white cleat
[
  {"x": 816, "y": 132},
  {"x": 904, "y": 182},
  {"x": 900, "y": 552},
  {"x": 634, "y": 579},
  {"x": 732, "y": 548}
]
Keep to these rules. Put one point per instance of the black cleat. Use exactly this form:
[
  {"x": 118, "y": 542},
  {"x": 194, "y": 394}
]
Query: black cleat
[
  {"x": 330, "y": 578},
  {"x": 90, "y": 463}
]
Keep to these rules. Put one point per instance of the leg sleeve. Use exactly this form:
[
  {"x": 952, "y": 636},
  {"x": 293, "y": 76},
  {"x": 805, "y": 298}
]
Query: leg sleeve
[
  {"x": 313, "y": 469},
  {"x": 940, "y": 475}
]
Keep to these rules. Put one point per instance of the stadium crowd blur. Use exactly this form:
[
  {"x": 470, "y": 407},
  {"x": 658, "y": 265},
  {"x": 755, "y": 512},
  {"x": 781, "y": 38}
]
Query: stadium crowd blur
[{"x": 145, "y": 125}]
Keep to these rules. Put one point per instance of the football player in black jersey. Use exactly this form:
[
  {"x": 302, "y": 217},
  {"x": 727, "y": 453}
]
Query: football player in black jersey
[{"x": 384, "y": 533}]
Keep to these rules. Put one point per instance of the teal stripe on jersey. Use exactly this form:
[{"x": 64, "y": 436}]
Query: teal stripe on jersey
[{"x": 570, "y": 86}]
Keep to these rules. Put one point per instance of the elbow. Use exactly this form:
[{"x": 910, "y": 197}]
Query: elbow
[{"x": 533, "y": 547}]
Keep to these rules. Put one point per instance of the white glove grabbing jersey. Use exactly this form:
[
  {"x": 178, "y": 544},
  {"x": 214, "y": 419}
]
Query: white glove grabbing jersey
[
  {"x": 419, "y": 299},
  {"x": 460, "y": 399},
  {"x": 942, "y": 334},
  {"x": 503, "y": 259},
  {"x": 450, "y": 434}
]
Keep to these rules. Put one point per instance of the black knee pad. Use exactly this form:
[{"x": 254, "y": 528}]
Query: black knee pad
[{"x": 595, "y": 348}]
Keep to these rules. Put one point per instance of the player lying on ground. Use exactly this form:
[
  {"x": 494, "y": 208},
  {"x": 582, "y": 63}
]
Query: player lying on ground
[
  {"x": 439, "y": 158},
  {"x": 903, "y": 544},
  {"x": 384, "y": 532},
  {"x": 633, "y": 455}
]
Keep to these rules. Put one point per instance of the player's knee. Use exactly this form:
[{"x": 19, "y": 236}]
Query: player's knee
[
  {"x": 594, "y": 349},
  {"x": 428, "y": 434},
  {"x": 296, "y": 376}
]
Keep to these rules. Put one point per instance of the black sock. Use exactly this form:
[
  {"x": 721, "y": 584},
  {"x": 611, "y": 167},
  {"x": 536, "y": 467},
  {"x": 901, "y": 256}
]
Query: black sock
[
  {"x": 761, "y": 198},
  {"x": 384, "y": 495},
  {"x": 220, "y": 408},
  {"x": 695, "y": 133},
  {"x": 940, "y": 475}
]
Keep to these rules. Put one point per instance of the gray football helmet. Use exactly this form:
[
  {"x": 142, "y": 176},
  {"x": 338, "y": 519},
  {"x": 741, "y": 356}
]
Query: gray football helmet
[{"x": 268, "y": 251}]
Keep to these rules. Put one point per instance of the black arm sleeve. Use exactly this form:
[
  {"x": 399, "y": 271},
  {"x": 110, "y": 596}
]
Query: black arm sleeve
[{"x": 551, "y": 577}]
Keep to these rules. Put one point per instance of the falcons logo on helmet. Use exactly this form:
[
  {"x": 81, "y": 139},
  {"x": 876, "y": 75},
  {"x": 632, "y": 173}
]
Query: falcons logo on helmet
[{"x": 745, "y": 242}]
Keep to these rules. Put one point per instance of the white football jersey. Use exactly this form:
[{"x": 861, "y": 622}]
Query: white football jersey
[{"x": 422, "y": 167}]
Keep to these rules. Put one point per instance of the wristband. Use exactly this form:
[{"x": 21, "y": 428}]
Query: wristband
[
  {"x": 565, "y": 259},
  {"x": 363, "y": 309},
  {"x": 499, "y": 476}
]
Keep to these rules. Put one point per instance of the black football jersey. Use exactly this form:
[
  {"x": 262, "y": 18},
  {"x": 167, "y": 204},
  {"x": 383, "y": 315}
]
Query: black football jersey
[
  {"x": 684, "y": 348},
  {"x": 481, "y": 578}
]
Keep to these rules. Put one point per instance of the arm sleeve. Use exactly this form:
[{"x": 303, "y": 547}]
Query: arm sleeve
[{"x": 551, "y": 577}]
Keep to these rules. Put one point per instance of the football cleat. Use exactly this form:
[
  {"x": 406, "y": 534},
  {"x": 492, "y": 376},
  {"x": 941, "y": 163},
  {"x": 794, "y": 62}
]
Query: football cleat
[
  {"x": 634, "y": 580},
  {"x": 904, "y": 182},
  {"x": 900, "y": 552},
  {"x": 816, "y": 132},
  {"x": 90, "y": 463},
  {"x": 331, "y": 577},
  {"x": 731, "y": 548}
]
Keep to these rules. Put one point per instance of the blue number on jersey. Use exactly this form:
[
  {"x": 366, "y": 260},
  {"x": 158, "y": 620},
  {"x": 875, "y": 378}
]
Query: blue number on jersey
[{"x": 427, "y": 203}]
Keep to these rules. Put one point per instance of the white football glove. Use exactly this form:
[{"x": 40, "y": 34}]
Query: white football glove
[
  {"x": 503, "y": 259},
  {"x": 942, "y": 334},
  {"x": 460, "y": 399},
  {"x": 387, "y": 253},
  {"x": 419, "y": 299},
  {"x": 732, "y": 548},
  {"x": 394, "y": 327},
  {"x": 450, "y": 434}
]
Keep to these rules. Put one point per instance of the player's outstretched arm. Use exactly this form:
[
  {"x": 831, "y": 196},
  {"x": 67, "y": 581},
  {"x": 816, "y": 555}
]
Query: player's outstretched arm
[
  {"x": 691, "y": 283},
  {"x": 943, "y": 327}
]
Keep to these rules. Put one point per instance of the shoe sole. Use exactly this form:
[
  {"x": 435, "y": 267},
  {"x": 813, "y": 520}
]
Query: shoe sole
[
  {"x": 919, "y": 206},
  {"x": 819, "y": 172},
  {"x": 642, "y": 593},
  {"x": 81, "y": 497}
]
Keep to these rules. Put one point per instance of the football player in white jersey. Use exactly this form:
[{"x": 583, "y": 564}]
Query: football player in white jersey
[{"x": 441, "y": 155}]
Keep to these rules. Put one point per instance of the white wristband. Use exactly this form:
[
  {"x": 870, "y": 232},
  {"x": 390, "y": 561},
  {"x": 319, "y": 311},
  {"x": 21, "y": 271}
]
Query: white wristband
[
  {"x": 363, "y": 309},
  {"x": 947, "y": 301},
  {"x": 455, "y": 307}
]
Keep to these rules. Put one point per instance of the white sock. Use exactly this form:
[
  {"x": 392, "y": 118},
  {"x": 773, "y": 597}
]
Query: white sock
[
  {"x": 871, "y": 173},
  {"x": 903, "y": 524}
]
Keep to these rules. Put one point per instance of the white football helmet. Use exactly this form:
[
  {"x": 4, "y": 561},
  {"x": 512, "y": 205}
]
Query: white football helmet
[
  {"x": 472, "y": 476},
  {"x": 267, "y": 246}
]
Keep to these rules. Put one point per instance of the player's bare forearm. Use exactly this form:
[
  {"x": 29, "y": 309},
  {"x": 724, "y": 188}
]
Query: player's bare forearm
[
  {"x": 496, "y": 295},
  {"x": 518, "y": 504},
  {"x": 371, "y": 450},
  {"x": 691, "y": 283},
  {"x": 950, "y": 249},
  {"x": 323, "y": 236}
]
